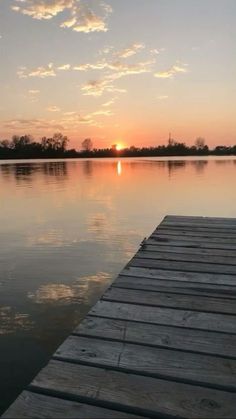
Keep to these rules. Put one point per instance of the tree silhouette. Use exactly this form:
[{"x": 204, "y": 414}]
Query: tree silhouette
[
  {"x": 87, "y": 144},
  {"x": 200, "y": 143}
]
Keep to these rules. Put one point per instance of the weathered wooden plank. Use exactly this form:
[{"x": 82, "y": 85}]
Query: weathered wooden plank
[
  {"x": 198, "y": 231},
  {"x": 176, "y": 287},
  {"x": 32, "y": 405},
  {"x": 178, "y": 275},
  {"x": 156, "y": 247},
  {"x": 208, "y": 220},
  {"x": 166, "y": 234},
  {"x": 199, "y": 224},
  {"x": 140, "y": 394},
  {"x": 159, "y": 299},
  {"x": 187, "y": 367},
  {"x": 194, "y": 233},
  {"x": 183, "y": 266},
  {"x": 166, "y": 316},
  {"x": 157, "y": 335},
  {"x": 185, "y": 257},
  {"x": 191, "y": 242}
]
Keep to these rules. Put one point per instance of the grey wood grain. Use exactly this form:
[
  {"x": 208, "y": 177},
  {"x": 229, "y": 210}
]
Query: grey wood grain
[
  {"x": 186, "y": 257},
  {"x": 219, "y": 226},
  {"x": 155, "y": 247},
  {"x": 166, "y": 316},
  {"x": 176, "y": 287},
  {"x": 164, "y": 236},
  {"x": 157, "y": 335},
  {"x": 194, "y": 233},
  {"x": 31, "y": 405},
  {"x": 159, "y": 299},
  {"x": 183, "y": 266},
  {"x": 172, "y": 364},
  {"x": 207, "y": 220},
  {"x": 191, "y": 242},
  {"x": 146, "y": 395},
  {"x": 178, "y": 275}
]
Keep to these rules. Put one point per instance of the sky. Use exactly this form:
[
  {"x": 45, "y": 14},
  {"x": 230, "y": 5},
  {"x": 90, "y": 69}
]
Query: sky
[{"x": 119, "y": 71}]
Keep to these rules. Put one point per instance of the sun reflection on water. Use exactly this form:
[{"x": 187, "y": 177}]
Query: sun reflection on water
[{"x": 119, "y": 168}]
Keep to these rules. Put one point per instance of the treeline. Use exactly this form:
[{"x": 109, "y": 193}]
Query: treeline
[{"x": 24, "y": 147}]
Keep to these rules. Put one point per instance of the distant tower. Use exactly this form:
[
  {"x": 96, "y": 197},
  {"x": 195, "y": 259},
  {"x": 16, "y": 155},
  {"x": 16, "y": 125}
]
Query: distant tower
[{"x": 170, "y": 139}]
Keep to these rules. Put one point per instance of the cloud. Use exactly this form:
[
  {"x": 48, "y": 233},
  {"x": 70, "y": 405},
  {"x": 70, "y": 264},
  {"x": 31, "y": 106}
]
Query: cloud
[
  {"x": 64, "y": 67},
  {"x": 98, "y": 87},
  {"x": 168, "y": 74},
  {"x": 117, "y": 66},
  {"x": 109, "y": 103},
  {"x": 53, "y": 109},
  {"x": 163, "y": 97},
  {"x": 126, "y": 69},
  {"x": 33, "y": 95},
  {"x": 73, "y": 119},
  {"x": 100, "y": 65},
  {"x": 42, "y": 9},
  {"x": 81, "y": 17},
  {"x": 88, "y": 21},
  {"x": 34, "y": 92},
  {"x": 132, "y": 50},
  {"x": 40, "y": 72},
  {"x": 106, "y": 50},
  {"x": 154, "y": 51},
  {"x": 69, "y": 113},
  {"x": 101, "y": 113},
  {"x": 32, "y": 124}
]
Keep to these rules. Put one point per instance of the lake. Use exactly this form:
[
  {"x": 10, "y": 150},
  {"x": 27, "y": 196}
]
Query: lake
[{"x": 67, "y": 228}]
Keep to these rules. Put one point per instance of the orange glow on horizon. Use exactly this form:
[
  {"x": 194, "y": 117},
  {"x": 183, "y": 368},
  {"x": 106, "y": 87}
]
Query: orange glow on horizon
[{"x": 119, "y": 146}]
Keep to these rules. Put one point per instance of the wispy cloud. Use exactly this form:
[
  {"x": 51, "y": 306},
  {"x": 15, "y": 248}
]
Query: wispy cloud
[
  {"x": 170, "y": 73},
  {"x": 32, "y": 124},
  {"x": 121, "y": 69},
  {"x": 41, "y": 72},
  {"x": 132, "y": 50},
  {"x": 81, "y": 17},
  {"x": 162, "y": 97},
  {"x": 33, "y": 95},
  {"x": 98, "y": 87},
  {"x": 53, "y": 109},
  {"x": 73, "y": 119},
  {"x": 34, "y": 92},
  {"x": 42, "y": 9},
  {"x": 64, "y": 67},
  {"x": 109, "y": 103},
  {"x": 154, "y": 51}
]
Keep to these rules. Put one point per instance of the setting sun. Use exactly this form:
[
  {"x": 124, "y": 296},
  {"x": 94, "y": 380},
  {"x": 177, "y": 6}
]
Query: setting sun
[{"x": 119, "y": 146}]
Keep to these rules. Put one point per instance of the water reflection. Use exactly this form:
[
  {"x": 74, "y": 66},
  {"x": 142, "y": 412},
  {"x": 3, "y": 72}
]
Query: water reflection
[
  {"x": 61, "y": 294},
  {"x": 68, "y": 227},
  {"x": 27, "y": 171},
  {"x": 87, "y": 168},
  {"x": 119, "y": 168},
  {"x": 11, "y": 321},
  {"x": 200, "y": 166}
]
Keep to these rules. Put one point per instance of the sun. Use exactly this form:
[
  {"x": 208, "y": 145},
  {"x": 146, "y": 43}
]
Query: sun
[{"x": 119, "y": 146}]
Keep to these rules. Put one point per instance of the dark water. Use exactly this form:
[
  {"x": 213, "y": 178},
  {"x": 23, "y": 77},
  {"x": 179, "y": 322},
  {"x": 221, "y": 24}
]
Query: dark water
[{"x": 68, "y": 227}]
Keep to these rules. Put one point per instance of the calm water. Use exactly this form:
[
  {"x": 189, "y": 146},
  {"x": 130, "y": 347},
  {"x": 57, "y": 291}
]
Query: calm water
[{"x": 68, "y": 227}]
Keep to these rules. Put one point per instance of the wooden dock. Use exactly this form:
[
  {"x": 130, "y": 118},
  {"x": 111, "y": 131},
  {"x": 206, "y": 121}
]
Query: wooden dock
[{"x": 160, "y": 343}]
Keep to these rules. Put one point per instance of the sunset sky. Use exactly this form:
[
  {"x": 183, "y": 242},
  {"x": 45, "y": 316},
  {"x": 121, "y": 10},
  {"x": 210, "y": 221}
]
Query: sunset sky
[{"x": 119, "y": 71}]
